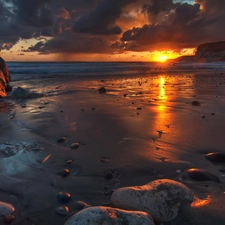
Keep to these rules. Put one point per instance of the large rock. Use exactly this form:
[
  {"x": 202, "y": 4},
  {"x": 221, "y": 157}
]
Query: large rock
[
  {"x": 2, "y": 85},
  {"x": 21, "y": 93},
  {"x": 161, "y": 198},
  {"x": 4, "y": 69},
  {"x": 101, "y": 215}
]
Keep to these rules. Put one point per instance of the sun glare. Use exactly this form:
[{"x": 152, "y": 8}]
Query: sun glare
[{"x": 162, "y": 58}]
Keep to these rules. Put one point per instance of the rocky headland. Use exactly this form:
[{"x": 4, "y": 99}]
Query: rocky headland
[{"x": 207, "y": 52}]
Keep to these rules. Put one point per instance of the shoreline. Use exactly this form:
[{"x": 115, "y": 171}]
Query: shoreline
[{"x": 117, "y": 131}]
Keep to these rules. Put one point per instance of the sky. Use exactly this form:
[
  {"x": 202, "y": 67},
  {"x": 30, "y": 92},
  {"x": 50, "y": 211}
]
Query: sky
[{"x": 107, "y": 30}]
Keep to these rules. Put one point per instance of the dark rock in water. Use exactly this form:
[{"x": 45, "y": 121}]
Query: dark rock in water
[
  {"x": 63, "y": 197},
  {"x": 79, "y": 205},
  {"x": 216, "y": 157},
  {"x": 196, "y": 103},
  {"x": 202, "y": 175},
  {"x": 62, "y": 210},
  {"x": 61, "y": 139},
  {"x": 102, "y": 90}
]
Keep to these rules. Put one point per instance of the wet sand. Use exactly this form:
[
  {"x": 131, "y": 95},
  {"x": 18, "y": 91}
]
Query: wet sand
[{"x": 143, "y": 128}]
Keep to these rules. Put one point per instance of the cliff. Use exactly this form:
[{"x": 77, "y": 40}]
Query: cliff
[{"x": 208, "y": 52}]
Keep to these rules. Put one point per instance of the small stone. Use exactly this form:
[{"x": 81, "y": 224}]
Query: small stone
[
  {"x": 24, "y": 105},
  {"x": 93, "y": 108},
  {"x": 63, "y": 197},
  {"x": 203, "y": 115},
  {"x": 102, "y": 90},
  {"x": 61, "y": 139},
  {"x": 62, "y": 210},
  {"x": 79, "y": 205},
  {"x": 202, "y": 175},
  {"x": 65, "y": 173},
  {"x": 139, "y": 108},
  {"x": 69, "y": 161},
  {"x": 178, "y": 171},
  {"x": 108, "y": 175},
  {"x": 196, "y": 103},
  {"x": 212, "y": 113},
  {"x": 6, "y": 209},
  {"x": 75, "y": 145}
]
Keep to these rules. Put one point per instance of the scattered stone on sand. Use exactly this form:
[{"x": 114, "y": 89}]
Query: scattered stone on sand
[
  {"x": 203, "y": 115},
  {"x": 64, "y": 172},
  {"x": 102, "y": 90},
  {"x": 202, "y": 175},
  {"x": 196, "y": 103},
  {"x": 79, "y": 205},
  {"x": 216, "y": 157},
  {"x": 21, "y": 93},
  {"x": 61, "y": 139},
  {"x": 63, "y": 197},
  {"x": 100, "y": 215},
  {"x": 160, "y": 198},
  {"x": 93, "y": 108},
  {"x": 75, "y": 145},
  {"x": 69, "y": 161},
  {"x": 108, "y": 175},
  {"x": 62, "y": 210},
  {"x": 6, "y": 209},
  {"x": 212, "y": 114}
]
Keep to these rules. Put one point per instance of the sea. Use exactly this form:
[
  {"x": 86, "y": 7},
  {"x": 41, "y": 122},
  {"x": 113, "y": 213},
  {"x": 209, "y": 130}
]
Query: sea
[{"x": 32, "y": 70}]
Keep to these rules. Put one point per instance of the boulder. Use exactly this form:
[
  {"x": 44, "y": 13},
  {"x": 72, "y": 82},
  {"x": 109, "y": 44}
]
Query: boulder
[
  {"x": 21, "y": 93},
  {"x": 4, "y": 69},
  {"x": 160, "y": 198},
  {"x": 2, "y": 85},
  {"x": 101, "y": 215}
]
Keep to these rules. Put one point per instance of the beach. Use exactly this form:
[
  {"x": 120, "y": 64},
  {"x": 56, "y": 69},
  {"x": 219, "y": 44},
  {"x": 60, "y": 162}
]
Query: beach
[{"x": 143, "y": 128}]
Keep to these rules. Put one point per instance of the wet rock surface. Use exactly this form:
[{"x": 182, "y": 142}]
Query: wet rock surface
[
  {"x": 109, "y": 216},
  {"x": 161, "y": 198}
]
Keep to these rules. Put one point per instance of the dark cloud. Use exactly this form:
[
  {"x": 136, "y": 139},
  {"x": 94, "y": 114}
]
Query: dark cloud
[
  {"x": 107, "y": 26},
  {"x": 102, "y": 19}
]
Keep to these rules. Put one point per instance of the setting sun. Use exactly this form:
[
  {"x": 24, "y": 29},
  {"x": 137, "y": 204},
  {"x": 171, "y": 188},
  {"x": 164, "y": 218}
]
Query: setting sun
[{"x": 162, "y": 58}]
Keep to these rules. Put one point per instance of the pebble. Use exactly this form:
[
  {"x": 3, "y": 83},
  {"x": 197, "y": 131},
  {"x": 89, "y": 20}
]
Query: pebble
[
  {"x": 61, "y": 139},
  {"x": 202, "y": 175},
  {"x": 102, "y": 90},
  {"x": 63, "y": 197},
  {"x": 65, "y": 173},
  {"x": 212, "y": 113},
  {"x": 196, "y": 103},
  {"x": 62, "y": 210},
  {"x": 75, "y": 145},
  {"x": 6, "y": 209},
  {"x": 203, "y": 115},
  {"x": 108, "y": 175},
  {"x": 216, "y": 157},
  {"x": 69, "y": 161},
  {"x": 79, "y": 205}
]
